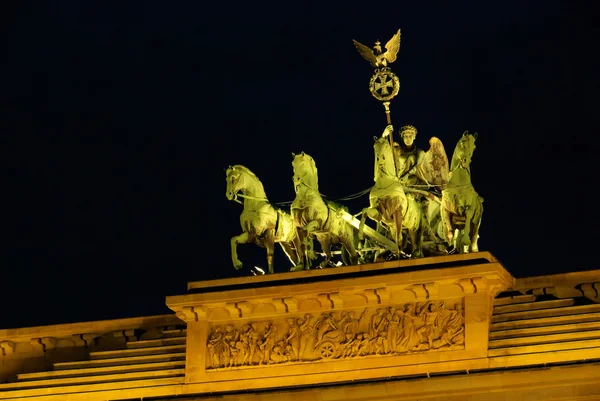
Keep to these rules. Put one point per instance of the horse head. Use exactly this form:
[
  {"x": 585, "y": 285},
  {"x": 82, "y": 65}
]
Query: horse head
[
  {"x": 241, "y": 178},
  {"x": 305, "y": 170},
  {"x": 464, "y": 151},
  {"x": 232, "y": 177},
  {"x": 384, "y": 157}
]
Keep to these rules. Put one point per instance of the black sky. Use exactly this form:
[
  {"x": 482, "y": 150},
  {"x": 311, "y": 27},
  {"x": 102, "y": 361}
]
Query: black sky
[{"x": 117, "y": 121}]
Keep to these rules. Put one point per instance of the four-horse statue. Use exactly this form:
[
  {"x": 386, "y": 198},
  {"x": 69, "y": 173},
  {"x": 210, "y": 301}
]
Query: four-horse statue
[
  {"x": 455, "y": 219},
  {"x": 261, "y": 222},
  {"x": 389, "y": 204},
  {"x": 462, "y": 207},
  {"x": 319, "y": 218}
]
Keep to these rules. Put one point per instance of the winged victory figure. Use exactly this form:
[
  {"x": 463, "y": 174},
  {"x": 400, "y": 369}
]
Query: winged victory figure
[
  {"x": 417, "y": 168},
  {"x": 433, "y": 168},
  {"x": 375, "y": 56}
]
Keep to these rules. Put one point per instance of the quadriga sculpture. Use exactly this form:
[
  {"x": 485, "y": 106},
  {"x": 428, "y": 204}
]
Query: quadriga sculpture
[
  {"x": 462, "y": 207},
  {"x": 317, "y": 217},
  {"x": 389, "y": 204},
  {"x": 261, "y": 222}
]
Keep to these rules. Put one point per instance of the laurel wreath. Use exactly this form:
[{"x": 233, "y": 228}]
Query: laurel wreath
[{"x": 384, "y": 76}]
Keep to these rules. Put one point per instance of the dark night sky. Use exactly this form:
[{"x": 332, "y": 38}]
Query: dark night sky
[{"x": 117, "y": 122}]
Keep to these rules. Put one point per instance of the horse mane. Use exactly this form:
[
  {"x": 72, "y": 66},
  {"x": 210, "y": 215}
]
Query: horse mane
[
  {"x": 249, "y": 172},
  {"x": 245, "y": 170},
  {"x": 455, "y": 159}
]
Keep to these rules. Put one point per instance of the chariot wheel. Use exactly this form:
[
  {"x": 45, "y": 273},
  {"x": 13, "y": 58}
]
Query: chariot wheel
[{"x": 327, "y": 350}]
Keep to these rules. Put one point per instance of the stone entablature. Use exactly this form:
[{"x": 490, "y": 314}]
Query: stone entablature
[
  {"x": 35, "y": 349},
  {"x": 364, "y": 322},
  {"x": 427, "y": 319}
]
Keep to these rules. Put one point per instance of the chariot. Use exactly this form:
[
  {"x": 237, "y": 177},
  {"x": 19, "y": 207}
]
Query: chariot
[{"x": 329, "y": 347}]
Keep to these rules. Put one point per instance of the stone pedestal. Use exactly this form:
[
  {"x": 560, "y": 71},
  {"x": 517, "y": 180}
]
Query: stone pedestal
[{"x": 399, "y": 318}]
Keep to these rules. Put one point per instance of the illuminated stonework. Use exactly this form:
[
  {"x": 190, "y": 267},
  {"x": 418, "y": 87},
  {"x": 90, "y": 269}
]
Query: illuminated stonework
[{"x": 460, "y": 327}]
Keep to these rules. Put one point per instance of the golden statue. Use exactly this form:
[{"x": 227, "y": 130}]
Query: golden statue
[
  {"x": 375, "y": 56},
  {"x": 384, "y": 84}
]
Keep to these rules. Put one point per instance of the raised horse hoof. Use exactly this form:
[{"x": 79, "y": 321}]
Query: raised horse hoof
[
  {"x": 238, "y": 265},
  {"x": 297, "y": 268}
]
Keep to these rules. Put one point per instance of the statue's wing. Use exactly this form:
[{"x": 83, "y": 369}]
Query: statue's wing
[
  {"x": 433, "y": 168},
  {"x": 366, "y": 52},
  {"x": 392, "y": 47}
]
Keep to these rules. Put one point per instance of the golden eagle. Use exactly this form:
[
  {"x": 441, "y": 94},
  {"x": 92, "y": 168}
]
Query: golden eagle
[{"x": 375, "y": 56}]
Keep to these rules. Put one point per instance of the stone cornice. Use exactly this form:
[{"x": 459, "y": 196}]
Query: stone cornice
[
  {"x": 408, "y": 264},
  {"x": 76, "y": 329},
  {"x": 339, "y": 292},
  {"x": 566, "y": 285}
]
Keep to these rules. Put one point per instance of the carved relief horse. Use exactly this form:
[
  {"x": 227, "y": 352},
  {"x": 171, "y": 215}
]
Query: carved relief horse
[
  {"x": 261, "y": 222},
  {"x": 462, "y": 207},
  {"x": 389, "y": 204},
  {"x": 315, "y": 217}
]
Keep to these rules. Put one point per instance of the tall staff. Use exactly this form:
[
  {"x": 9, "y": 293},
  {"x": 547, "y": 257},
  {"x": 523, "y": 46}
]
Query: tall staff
[{"x": 384, "y": 84}]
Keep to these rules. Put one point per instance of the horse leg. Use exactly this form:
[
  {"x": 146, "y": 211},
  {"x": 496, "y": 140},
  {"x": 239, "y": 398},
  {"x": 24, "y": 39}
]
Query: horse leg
[
  {"x": 465, "y": 243},
  {"x": 474, "y": 236},
  {"x": 270, "y": 246},
  {"x": 293, "y": 251},
  {"x": 416, "y": 236},
  {"x": 325, "y": 242},
  {"x": 447, "y": 222},
  {"x": 309, "y": 244},
  {"x": 419, "y": 233},
  {"x": 475, "y": 228},
  {"x": 380, "y": 230},
  {"x": 361, "y": 226},
  {"x": 305, "y": 248},
  {"x": 312, "y": 254},
  {"x": 404, "y": 245},
  {"x": 345, "y": 256},
  {"x": 398, "y": 230},
  {"x": 349, "y": 242},
  {"x": 373, "y": 214},
  {"x": 243, "y": 238}
]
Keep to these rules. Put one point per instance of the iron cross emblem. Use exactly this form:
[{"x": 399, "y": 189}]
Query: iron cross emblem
[{"x": 384, "y": 85}]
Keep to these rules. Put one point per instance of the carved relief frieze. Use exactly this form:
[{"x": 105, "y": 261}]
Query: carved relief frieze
[{"x": 330, "y": 335}]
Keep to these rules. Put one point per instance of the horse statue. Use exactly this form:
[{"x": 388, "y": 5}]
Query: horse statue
[
  {"x": 389, "y": 204},
  {"x": 462, "y": 207},
  {"x": 261, "y": 222},
  {"x": 319, "y": 218}
]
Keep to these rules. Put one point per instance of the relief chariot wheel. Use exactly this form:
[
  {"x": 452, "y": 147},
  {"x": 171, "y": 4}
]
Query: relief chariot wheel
[{"x": 327, "y": 350}]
